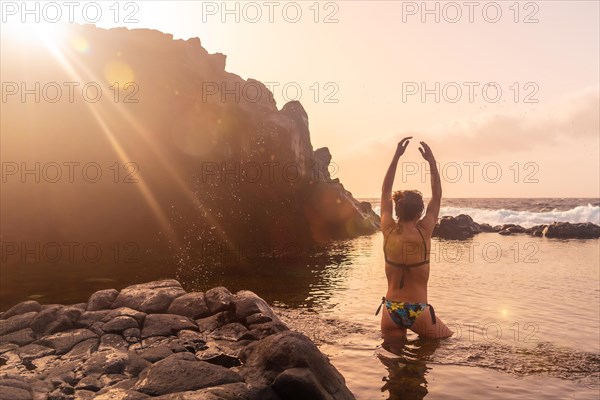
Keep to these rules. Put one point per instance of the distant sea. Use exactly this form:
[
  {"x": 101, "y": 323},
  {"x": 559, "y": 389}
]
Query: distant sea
[{"x": 525, "y": 211}]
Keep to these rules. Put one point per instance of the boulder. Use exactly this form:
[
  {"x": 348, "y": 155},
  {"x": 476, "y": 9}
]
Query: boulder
[
  {"x": 22, "y": 308},
  {"x": 177, "y": 374},
  {"x": 102, "y": 299},
  {"x": 567, "y": 230},
  {"x": 248, "y": 304},
  {"x": 218, "y": 299},
  {"x": 166, "y": 324},
  {"x": 264, "y": 361},
  {"x": 114, "y": 362},
  {"x": 191, "y": 305},
  {"x": 460, "y": 227},
  {"x": 151, "y": 297},
  {"x": 16, "y": 323},
  {"x": 21, "y": 337},
  {"x": 62, "y": 342},
  {"x": 119, "y": 324}
]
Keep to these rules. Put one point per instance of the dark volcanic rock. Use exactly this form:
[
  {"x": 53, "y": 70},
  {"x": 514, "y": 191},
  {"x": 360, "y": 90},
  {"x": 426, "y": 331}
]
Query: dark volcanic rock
[
  {"x": 566, "y": 230},
  {"x": 102, "y": 299},
  {"x": 456, "y": 228},
  {"x": 16, "y": 322},
  {"x": 62, "y": 342},
  {"x": 174, "y": 374},
  {"x": 191, "y": 305},
  {"x": 114, "y": 362},
  {"x": 248, "y": 304},
  {"x": 22, "y": 308},
  {"x": 119, "y": 324},
  {"x": 235, "y": 353},
  {"x": 151, "y": 297},
  {"x": 267, "y": 360},
  {"x": 166, "y": 324},
  {"x": 218, "y": 299}
]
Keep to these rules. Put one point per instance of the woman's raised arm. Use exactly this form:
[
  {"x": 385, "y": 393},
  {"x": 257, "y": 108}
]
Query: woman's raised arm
[
  {"x": 387, "y": 219},
  {"x": 433, "y": 208}
]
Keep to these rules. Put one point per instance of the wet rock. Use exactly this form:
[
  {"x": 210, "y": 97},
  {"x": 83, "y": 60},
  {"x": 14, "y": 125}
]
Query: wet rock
[
  {"x": 566, "y": 230},
  {"x": 173, "y": 360},
  {"x": 486, "y": 228},
  {"x": 8, "y": 347},
  {"x": 22, "y": 308},
  {"x": 151, "y": 297},
  {"x": 87, "y": 318},
  {"x": 505, "y": 232},
  {"x": 191, "y": 305},
  {"x": 218, "y": 299},
  {"x": 132, "y": 335},
  {"x": 21, "y": 338},
  {"x": 166, "y": 324},
  {"x": 219, "y": 355},
  {"x": 54, "y": 319},
  {"x": 111, "y": 379},
  {"x": 102, "y": 299},
  {"x": 119, "y": 324},
  {"x": 64, "y": 341},
  {"x": 211, "y": 323},
  {"x": 247, "y": 304},
  {"x": 59, "y": 378},
  {"x": 61, "y": 374},
  {"x": 81, "y": 306},
  {"x": 174, "y": 374},
  {"x": 112, "y": 341},
  {"x": 230, "y": 391},
  {"x": 84, "y": 394},
  {"x": 258, "y": 318},
  {"x": 265, "y": 360},
  {"x": 83, "y": 350},
  {"x": 33, "y": 351},
  {"x": 13, "y": 393},
  {"x": 157, "y": 353},
  {"x": 114, "y": 362},
  {"x": 89, "y": 383},
  {"x": 16, "y": 323},
  {"x": 121, "y": 394},
  {"x": 124, "y": 311},
  {"x": 512, "y": 228},
  {"x": 300, "y": 383},
  {"x": 259, "y": 331},
  {"x": 233, "y": 331},
  {"x": 460, "y": 227}
]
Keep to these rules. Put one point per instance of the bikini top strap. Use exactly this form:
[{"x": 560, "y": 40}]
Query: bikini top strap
[
  {"x": 424, "y": 245},
  {"x": 385, "y": 238}
]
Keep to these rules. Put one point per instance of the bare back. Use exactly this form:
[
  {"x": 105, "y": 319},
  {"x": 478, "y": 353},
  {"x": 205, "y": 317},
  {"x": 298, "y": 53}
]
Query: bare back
[{"x": 404, "y": 245}]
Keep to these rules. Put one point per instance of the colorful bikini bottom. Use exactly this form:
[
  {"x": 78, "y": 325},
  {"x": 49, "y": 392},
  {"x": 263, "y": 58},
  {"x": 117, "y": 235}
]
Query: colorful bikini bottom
[{"x": 405, "y": 314}]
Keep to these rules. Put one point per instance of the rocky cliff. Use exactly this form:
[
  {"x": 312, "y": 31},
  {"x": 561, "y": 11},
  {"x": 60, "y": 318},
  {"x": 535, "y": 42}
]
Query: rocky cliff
[{"x": 121, "y": 136}]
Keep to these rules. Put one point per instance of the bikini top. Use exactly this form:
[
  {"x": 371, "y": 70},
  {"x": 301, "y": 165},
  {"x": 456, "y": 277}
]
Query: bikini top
[{"x": 405, "y": 266}]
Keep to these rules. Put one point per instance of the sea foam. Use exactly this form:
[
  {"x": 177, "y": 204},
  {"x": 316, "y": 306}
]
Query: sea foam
[{"x": 526, "y": 219}]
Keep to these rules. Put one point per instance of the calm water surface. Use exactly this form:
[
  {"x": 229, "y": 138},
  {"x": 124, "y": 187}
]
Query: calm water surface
[{"x": 525, "y": 311}]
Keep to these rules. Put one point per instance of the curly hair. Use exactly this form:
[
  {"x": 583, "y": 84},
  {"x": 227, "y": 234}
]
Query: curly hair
[{"x": 408, "y": 204}]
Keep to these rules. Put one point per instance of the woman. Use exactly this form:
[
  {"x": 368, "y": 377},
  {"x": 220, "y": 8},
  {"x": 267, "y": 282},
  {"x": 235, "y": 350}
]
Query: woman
[{"x": 406, "y": 248}]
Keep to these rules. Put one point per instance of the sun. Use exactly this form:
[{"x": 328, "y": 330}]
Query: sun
[{"x": 32, "y": 32}]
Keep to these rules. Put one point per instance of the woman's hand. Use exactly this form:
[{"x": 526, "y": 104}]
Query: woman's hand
[
  {"x": 402, "y": 145},
  {"x": 427, "y": 153}
]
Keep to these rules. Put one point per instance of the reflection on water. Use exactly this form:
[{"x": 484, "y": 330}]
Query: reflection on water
[
  {"x": 525, "y": 311},
  {"x": 404, "y": 360}
]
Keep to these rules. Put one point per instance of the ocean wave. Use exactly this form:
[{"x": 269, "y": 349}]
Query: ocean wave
[{"x": 526, "y": 219}]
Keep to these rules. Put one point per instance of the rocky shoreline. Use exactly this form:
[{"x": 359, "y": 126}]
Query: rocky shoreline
[
  {"x": 463, "y": 227},
  {"x": 157, "y": 340}
]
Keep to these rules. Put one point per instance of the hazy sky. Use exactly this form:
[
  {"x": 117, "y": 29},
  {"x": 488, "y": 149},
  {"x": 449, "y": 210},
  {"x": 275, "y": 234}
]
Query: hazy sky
[{"x": 362, "y": 76}]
